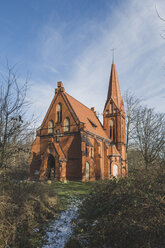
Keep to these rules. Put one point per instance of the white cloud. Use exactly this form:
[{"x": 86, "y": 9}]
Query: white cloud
[
  {"x": 51, "y": 68},
  {"x": 134, "y": 30},
  {"x": 135, "y": 34}
]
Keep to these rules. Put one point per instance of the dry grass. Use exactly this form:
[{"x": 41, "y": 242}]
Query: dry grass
[{"x": 24, "y": 207}]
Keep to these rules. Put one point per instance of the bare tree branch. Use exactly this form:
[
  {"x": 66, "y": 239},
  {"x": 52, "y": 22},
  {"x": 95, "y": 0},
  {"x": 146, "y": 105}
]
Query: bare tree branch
[
  {"x": 13, "y": 128},
  {"x": 149, "y": 134},
  {"x": 131, "y": 103}
]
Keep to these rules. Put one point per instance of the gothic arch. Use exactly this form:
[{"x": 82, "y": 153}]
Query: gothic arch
[{"x": 50, "y": 161}]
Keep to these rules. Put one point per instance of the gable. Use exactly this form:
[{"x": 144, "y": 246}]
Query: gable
[
  {"x": 110, "y": 107},
  {"x": 51, "y": 114}
]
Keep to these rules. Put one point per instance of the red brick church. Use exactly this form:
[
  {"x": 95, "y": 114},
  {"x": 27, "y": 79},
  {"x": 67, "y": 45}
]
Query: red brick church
[{"x": 72, "y": 144}]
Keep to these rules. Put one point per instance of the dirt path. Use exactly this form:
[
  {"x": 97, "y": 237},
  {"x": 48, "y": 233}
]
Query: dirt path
[{"x": 61, "y": 229}]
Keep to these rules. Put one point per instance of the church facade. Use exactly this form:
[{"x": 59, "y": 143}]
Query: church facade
[{"x": 72, "y": 144}]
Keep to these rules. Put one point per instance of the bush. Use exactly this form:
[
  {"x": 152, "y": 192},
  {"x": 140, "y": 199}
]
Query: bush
[
  {"x": 73, "y": 243},
  {"x": 24, "y": 206},
  {"x": 126, "y": 213}
]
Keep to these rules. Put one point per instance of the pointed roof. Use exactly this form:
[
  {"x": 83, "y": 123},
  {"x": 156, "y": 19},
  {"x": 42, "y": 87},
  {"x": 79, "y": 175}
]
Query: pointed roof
[
  {"x": 114, "y": 88},
  {"x": 87, "y": 116}
]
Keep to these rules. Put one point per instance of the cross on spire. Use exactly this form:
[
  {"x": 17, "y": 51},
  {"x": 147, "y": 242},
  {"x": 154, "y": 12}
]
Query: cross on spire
[{"x": 113, "y": 55}]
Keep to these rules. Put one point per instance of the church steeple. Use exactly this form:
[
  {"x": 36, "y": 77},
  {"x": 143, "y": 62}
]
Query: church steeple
[
  {"x": 114, "y": 119},
  {"x": 113, "y": 115},
  {"x": 114, "y": 88}
]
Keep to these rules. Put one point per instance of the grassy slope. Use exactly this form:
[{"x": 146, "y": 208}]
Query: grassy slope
[
  {"x": 25, "y": 207},
  {"x": 122, "y": 213},
  {"x": 66, "y": 191}
]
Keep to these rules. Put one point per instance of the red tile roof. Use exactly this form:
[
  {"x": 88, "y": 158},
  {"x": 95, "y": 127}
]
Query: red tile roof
[{"x": 87, "y": 116}]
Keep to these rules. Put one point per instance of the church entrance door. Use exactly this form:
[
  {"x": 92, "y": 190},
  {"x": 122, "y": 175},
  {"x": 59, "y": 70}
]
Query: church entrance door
[{"x": 51, "y": 167}]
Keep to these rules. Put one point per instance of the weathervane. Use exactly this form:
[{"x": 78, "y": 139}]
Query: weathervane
[{"x": 113, "y": 54}]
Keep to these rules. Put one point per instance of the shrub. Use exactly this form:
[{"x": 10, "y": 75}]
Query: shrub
[
  {"x": 126, "y": 212},
  {"x": 24, "y": 206}
]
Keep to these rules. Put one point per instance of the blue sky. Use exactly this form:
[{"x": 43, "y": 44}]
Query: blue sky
[{"x": 71, "y": 41}]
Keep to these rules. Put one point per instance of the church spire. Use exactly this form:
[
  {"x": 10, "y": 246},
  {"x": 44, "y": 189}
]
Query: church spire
[
  {"x": 114, "y": 88},
  {"x": 114, "y": 115}
]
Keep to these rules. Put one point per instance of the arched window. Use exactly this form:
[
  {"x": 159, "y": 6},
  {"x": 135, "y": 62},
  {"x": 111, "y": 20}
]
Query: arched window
[
  {"x": 112, "y": 130},
  {"x": 90, "y": 152},
  {"x": 50, "y": 127},
  {"x": 114, "y": 136},
  {"x": 87, "y": 151},
  {"x": 99, "y": 150},
  {"x": 110, "y": 169},
  {"x": 115, "y": 170},
  {"x": 67, "y": 125},
  {"x": 59, "y": 112},
  {"x": 111, "y": 108},
  {"x": 87, "y": 170}
]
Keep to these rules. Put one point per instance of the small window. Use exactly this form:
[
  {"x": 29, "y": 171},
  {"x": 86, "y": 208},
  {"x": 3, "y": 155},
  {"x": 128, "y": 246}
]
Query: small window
[
  {"x": 59, "y": 112},
  {"x": 99, "y": 150},
  {"x": 50, "y": 149},
  {"x": 92, "y": 123},
  {"x": 110, "y": 168},
  {"x": 67, "y": 125},
  {"x": 112, "y": 130},
  {"x": 91, "y": 152},
  {"x": 87, "y": 171},
  {"x": 111, "y": 108},
  {"x": 57, "y": 135},
  {"x": 50, "y": 127},
  {"x": 115, "y": 170},
  {"x": 87, "y": 151}
]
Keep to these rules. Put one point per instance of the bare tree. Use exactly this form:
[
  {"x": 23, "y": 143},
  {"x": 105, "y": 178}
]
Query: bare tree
[
  {"x": 12, "y": 107},
  {"x": 132, "y": 104},
  {"x": 149, "y": 134}
]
